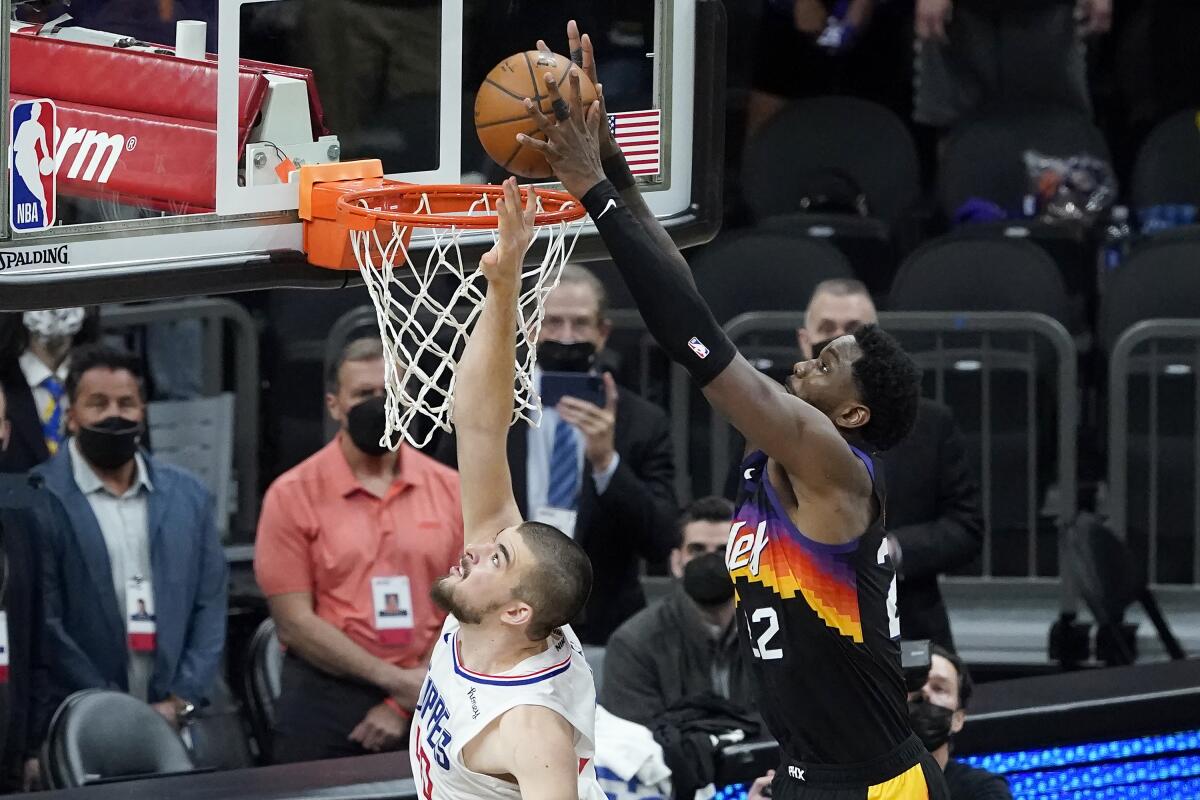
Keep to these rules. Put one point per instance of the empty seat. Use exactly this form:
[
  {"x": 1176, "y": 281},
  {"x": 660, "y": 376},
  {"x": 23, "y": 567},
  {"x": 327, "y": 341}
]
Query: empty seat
[
  {"x": 1167, "y": 170},
  {"x": 1161, "y": 279},
  {"x": 103, "y": 735},
  {"x": 837, "y": 136}
]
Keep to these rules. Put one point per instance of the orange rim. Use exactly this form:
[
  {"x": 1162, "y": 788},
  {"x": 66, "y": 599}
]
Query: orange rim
[{"x": 468, "y": 194}]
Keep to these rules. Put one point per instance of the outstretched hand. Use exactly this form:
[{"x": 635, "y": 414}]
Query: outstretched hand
[
  {"x": 572, "y": 145},
  {"x": 502, "y": 264}
]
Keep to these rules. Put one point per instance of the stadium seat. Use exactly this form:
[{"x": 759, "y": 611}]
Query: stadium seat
[
  {"x": 1167, "y": 170},
  {"x": 862, "y": 140},
  {"x": 263, "y": 683},
  {"x": 984, "y": 159},
  {"x": 103, "y": 735},
  {"x": 979, "y": 376},
  {"x": 1159, "y": 281}
]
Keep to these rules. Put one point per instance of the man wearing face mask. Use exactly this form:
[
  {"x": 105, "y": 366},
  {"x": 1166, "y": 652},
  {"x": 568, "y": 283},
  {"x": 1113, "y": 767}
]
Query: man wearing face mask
[
  {"x": 35, "y": 381},
  {"x": 350, "y": 542},
  {"x": 686, "y": 644},
  {"x": 938, "y": 712},
  {"x": 601, "y": 472},
  {"x": 933, "y": 510},
  {"x": 143, "y": 534}
]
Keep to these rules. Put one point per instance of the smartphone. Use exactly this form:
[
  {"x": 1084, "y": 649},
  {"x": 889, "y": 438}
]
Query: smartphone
[{"x": 584, "y": 385}]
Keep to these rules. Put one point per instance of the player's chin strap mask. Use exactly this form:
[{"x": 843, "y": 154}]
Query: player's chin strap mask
[
  {"x": 55, "y": 323},
  {"x": 930, "y": 722},
  {"x": 563, "y": 357}
]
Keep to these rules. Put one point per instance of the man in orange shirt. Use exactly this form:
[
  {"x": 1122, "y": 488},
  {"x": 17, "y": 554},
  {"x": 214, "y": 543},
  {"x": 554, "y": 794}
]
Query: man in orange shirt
[{"x": 349, "y": 544}]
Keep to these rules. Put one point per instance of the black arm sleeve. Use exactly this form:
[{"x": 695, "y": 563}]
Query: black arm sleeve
[{"x": 662, "y": 287}]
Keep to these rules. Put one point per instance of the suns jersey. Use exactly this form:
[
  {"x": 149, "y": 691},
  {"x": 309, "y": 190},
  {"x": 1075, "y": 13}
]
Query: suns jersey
[
  {"x": 456, "y": 704},
  {"x": 818, "y": 628}
]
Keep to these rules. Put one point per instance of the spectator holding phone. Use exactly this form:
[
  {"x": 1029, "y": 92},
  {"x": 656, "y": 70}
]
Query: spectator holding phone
[{"x": 600, "y": 466}]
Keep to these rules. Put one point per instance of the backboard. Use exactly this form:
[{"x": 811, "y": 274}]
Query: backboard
[{"x": 144, "y": 140}]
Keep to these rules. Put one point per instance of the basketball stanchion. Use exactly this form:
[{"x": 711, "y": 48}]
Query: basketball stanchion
[{"x": 354, "y": 218}]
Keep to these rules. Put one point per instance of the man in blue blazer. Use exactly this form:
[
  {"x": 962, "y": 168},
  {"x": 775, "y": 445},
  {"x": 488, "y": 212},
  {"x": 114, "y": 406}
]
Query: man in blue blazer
[{"x": 136, "y": 588}]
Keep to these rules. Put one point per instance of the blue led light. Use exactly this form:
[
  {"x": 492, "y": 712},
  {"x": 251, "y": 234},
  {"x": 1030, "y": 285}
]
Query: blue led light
[{"x": 1025, "y": 760}]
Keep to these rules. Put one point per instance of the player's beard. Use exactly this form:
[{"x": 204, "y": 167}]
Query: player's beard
[{"x": 442, "y": 594}]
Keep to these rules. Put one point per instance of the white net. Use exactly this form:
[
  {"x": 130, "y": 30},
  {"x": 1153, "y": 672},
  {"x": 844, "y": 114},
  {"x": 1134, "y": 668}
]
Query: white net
[{"x": 426, "y": 305}]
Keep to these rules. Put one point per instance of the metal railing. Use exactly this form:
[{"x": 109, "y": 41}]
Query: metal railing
[
  {"x": 1037, "y": 329},
  {"x": 214, "y": 313},
  {"x": 1177, "y": 363}
]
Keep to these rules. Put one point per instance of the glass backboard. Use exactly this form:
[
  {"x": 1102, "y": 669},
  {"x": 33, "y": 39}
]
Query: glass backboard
[{"x": 145, "y": 139}]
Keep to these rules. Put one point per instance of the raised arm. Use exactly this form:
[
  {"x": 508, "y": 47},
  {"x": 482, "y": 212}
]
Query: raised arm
[
  {"x": 797, "y": 435},
  {"x": 483, "y": 390}
]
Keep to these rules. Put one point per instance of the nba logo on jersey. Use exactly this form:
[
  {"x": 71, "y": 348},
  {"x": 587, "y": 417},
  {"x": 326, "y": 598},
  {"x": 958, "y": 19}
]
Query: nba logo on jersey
[{"x": 32, "y": 165}]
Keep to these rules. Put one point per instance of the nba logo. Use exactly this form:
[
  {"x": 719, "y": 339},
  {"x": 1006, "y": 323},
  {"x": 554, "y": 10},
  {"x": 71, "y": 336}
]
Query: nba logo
[{"x": 32, "y": 165}]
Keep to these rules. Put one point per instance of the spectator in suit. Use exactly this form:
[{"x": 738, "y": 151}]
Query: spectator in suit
[
  {"x": 33, "y": 373},
  {"x": 933, "y": 512},
  {"x": 349, "y": 544},
  {"x": 938, "y": 712},
  {"x": 685, "y": 644},
  {"x": 23, "y": 511},
  {"x": 602, "y": 474},
  {"x": 139, "y": 530}
]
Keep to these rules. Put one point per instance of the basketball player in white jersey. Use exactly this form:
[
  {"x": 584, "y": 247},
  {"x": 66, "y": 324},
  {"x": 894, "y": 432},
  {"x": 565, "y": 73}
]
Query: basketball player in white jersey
[{"x": 508, "y": 708}]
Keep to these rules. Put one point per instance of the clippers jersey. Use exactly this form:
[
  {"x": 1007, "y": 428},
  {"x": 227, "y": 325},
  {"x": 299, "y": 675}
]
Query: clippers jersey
[
  {"x": 456, "y": 704},
  {"x": 818, "y": 628}
]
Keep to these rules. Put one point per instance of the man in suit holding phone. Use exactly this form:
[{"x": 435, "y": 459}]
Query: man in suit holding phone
[{"x": 600, "y": 467}]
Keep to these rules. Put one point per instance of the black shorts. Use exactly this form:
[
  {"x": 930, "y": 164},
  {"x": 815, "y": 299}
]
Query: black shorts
[{"x": 906, "y": 773}]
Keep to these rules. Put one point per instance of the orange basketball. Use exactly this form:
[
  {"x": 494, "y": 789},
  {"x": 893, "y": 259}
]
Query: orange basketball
[{"x": 500, "y": 108}]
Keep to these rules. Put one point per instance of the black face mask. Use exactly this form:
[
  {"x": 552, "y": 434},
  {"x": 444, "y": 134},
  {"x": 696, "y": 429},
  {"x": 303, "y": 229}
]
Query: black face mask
[
  {"x": 817, "y": 347},
  {"x": 931, "y": 723},
  {"x": 110, "y": 443},
  {"x": 706, "y": 580},
  {"x": 366, "y": 423},
  {"x": 559, "y": 357}
]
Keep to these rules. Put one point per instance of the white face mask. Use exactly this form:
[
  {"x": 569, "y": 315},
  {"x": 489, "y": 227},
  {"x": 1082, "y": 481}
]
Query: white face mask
[{"x": 55, "y": 323}]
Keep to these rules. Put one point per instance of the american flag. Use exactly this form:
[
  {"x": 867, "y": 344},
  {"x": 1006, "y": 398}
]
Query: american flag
[{"x": 639, "y": 135}]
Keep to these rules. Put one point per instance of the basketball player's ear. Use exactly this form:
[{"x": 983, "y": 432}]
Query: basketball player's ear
[
  {"x": 958, "y": 721},
  {"x": 517, "y": 614},
  {"x": 854, "y": 415}
]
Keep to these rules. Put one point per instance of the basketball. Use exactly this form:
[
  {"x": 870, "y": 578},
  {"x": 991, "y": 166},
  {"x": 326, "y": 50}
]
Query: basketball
[
  {"x": 47, "y": 165},
  {"x": 500, "y": 107}
]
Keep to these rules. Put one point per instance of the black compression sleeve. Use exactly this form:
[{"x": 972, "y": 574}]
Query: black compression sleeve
[{"x": 662, "y": 287}]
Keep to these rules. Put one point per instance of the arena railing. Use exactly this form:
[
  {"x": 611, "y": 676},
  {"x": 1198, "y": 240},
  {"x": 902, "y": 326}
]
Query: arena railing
[
  {"x": 1048, "y": 350},
  {"x": 214, "y": 314},
  {"x": 1165, "y": 354}
]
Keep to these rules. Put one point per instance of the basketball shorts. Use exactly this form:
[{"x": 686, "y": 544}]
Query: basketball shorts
[{"x": 907, "y": 773}]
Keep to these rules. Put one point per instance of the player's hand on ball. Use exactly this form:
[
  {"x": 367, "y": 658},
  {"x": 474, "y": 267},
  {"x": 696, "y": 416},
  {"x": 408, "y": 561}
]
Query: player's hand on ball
[
  {"x": 502, "y": 264},
  {"x": 572, "y": 145},
  {"x": 583, "y": 54}
]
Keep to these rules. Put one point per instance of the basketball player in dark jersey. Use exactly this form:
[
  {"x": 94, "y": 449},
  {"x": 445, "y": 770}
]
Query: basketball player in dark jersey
[{"x": 815, "y": 585}]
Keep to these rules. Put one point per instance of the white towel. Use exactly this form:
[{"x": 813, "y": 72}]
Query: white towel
[{"x": 629, "y": 762}]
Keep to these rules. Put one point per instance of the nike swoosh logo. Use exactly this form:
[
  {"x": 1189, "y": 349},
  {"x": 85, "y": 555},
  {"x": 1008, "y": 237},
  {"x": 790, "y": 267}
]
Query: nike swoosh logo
[
  {"x": 611, "y": 205},
  {"x": 749, "y": 474}
]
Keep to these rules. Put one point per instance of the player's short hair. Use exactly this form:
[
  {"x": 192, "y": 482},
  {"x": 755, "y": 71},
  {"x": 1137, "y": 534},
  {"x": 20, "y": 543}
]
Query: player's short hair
[
  {"x": 368, "y": 348},
  {"x": 839, "y": 287},
  {"x": 558, "y": 586},
  {"x": 703, "y": 509},
  {"x": 965, "y": 685},
  {"x": 579, "y": 275},
  {"x": 95, "y": 356},
  {"x": 890, "y": 385}
]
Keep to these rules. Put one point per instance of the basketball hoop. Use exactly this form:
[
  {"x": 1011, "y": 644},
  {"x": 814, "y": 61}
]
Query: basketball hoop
[{"x": 357, "y": 219}]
